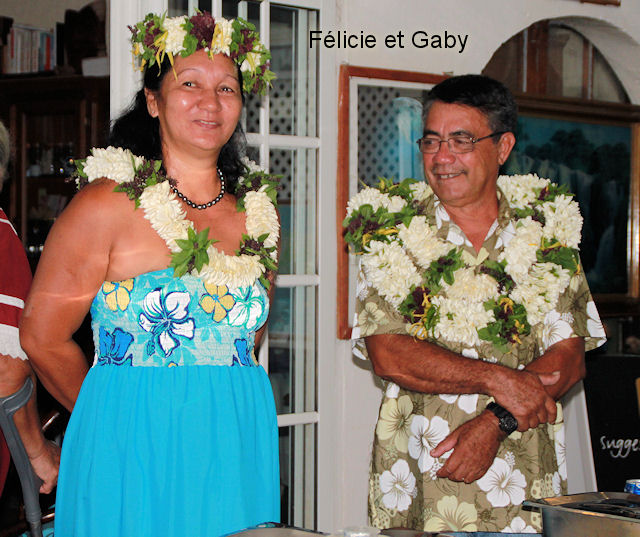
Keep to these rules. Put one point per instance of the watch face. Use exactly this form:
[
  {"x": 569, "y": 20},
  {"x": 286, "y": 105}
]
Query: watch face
[{"x": 508, "y": 424}]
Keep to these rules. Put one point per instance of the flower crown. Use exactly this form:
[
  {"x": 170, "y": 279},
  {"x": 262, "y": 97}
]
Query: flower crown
[{"x": 158, "y": 35}]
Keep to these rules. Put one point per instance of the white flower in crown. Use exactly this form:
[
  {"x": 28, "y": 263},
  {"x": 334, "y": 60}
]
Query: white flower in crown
[
  {"x": 421, "y": 190},
  {"x": 467, "y": 285},
  {"x": 563, "y": 221},
  {"x": 175, "y": 34},
  {"x": 222, "y": 36},
  {"x": 115, "y": 163},
  {"x": 253, "y": 59},
  {"x": 261, "y": 217},
  {"x": 251, "y": 166},
  {"x": 421, "y": 242},
  {"x": 390, "y": 271}
]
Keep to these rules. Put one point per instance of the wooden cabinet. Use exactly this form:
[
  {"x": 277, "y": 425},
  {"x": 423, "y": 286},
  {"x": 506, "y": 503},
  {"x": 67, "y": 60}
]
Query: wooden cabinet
[{"x": 52, "y": 120}]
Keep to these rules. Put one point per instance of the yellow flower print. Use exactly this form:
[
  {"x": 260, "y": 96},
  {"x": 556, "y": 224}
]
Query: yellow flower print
[
  {"x": 395, "y": 422},
  {"x": 453, "y": 515},
  {"x": 118, "y": 294},
  {"x": 217, "y": 300}
]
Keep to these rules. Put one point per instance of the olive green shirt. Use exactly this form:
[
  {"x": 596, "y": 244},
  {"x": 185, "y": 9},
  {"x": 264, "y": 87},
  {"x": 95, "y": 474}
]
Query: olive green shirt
[{"x": 403, "y": 488}]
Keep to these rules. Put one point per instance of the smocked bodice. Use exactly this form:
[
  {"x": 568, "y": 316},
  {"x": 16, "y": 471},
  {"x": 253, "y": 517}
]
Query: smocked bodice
[{"x": 157, "y": 320}]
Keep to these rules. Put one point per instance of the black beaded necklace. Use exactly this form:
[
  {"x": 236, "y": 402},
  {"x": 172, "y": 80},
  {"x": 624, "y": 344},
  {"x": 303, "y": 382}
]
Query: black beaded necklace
[{"x": 202, "y": 205}]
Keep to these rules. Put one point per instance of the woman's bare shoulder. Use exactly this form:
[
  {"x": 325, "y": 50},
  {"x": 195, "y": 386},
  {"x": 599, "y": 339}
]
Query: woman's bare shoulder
[{"x": 98, "y": 203}]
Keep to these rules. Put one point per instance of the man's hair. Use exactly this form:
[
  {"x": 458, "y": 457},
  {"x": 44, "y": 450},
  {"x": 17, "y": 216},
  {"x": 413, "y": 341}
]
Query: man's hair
[{"x": 489, "y": 96}]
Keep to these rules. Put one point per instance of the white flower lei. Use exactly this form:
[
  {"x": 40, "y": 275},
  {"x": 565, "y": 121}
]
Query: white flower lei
[
  {"x": 393, "y": 268},
  {"x": 168, "y": 218}
]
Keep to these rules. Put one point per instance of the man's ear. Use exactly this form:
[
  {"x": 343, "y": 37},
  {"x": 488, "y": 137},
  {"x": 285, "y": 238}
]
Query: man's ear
[
  {"x": 152, "y": 102},
  {"x": 505, "y": 145}
]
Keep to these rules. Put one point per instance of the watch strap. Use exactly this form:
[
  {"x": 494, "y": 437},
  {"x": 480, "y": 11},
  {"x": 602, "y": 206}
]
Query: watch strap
[{"x": 506, "y": 421}]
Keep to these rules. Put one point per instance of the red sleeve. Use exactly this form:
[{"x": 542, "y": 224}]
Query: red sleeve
[{"x": 15, "y": 280}]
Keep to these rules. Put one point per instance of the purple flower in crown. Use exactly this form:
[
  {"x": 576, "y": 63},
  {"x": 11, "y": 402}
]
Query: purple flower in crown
[{"x": 203, "y": 26}]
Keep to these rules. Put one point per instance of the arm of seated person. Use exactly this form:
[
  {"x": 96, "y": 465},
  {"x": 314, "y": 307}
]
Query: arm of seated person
[
  {"x": 43, "y": 454},
  {"x": 70, "y": 272},
  {"x": 428, "y": 368}
]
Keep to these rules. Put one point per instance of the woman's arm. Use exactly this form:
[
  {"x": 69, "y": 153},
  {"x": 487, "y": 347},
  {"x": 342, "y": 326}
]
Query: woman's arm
[{"x": 70, "y": 272}]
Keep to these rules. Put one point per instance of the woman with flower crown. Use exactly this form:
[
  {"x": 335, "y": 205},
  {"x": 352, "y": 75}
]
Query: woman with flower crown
[{"x": 172, "y": 245}]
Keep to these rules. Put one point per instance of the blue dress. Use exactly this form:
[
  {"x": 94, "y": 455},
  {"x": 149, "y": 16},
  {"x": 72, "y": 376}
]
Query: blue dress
[{"x": 174, "y": 431}]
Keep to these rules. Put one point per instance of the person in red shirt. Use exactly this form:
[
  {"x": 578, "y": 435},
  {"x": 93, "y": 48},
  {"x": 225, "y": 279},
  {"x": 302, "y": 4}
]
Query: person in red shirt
[{"x": 15, "y": 280}]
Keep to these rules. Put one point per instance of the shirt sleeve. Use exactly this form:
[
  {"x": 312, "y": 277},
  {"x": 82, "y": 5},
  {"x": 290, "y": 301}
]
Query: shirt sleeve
[
  {"x": 575, "y": 315},
  {"x": 373, "y": 316},
  {"x": 15, "y": 280}
]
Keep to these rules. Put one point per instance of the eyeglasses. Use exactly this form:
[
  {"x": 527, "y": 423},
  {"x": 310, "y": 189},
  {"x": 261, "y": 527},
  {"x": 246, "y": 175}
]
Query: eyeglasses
[{"x": 460, "y": 143}]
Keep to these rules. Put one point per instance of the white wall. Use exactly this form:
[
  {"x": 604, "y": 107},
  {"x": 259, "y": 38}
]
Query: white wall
[{"x": 488, "y": 24}]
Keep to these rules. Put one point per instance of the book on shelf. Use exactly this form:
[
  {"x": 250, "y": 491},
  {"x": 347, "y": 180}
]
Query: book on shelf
[{"x": 28, "y": 50}]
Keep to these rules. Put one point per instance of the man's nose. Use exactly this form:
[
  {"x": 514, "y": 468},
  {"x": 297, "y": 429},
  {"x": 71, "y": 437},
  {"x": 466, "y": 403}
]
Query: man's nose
[{"x": 444, "y": 153}]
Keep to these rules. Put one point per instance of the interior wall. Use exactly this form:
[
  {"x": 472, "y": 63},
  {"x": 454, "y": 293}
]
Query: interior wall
[
  {"x": 487, "y": 25},
  {"x": 40, "y": 13}
]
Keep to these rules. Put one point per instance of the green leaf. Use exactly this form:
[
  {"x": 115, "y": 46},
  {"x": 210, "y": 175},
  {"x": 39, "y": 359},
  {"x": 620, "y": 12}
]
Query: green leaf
[{"x": 265, "y": 282}]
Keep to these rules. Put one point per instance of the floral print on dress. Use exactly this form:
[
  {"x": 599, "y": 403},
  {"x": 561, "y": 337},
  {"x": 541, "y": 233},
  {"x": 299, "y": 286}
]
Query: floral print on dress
[
  {"x": 249, "y": 308},
  {"x": 113, "y": 347},
  {"x": 217, "y": 300},
  {"x": 243, "y": 353},
  {"x": 165, "y": 318},
  {"x": 117, "y": 295},
  {"x": 170, "y": 325}
]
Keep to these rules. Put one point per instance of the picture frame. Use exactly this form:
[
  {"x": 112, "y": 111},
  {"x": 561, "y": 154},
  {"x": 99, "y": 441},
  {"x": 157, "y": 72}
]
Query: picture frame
[
  {"x": 603, "y": 2},
  {"x": 351, "y": 80}
]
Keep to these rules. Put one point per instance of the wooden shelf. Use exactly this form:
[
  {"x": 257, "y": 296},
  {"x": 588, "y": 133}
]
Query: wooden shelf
[{"x": 63, "y": 116}]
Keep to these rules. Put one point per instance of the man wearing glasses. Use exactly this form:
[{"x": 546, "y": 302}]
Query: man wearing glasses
[{"x": 489, "y": 333}]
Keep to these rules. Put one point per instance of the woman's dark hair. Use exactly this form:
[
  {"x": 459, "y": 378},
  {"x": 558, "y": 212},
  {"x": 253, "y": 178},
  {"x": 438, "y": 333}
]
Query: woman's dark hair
[
  {"x": 137, "y": 131},
  {"x": 489, "y": 96}
]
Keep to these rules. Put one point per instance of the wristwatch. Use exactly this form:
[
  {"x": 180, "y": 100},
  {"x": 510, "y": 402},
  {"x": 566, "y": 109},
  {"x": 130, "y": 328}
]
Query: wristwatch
[{"x": 506, "y": 421}]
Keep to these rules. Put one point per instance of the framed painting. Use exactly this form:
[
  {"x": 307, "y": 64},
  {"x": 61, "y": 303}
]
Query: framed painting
[
  {"x": 604, "y": 2},
  {"x": 592, "y": 149},
  {"x": 379, "y": 120}
]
